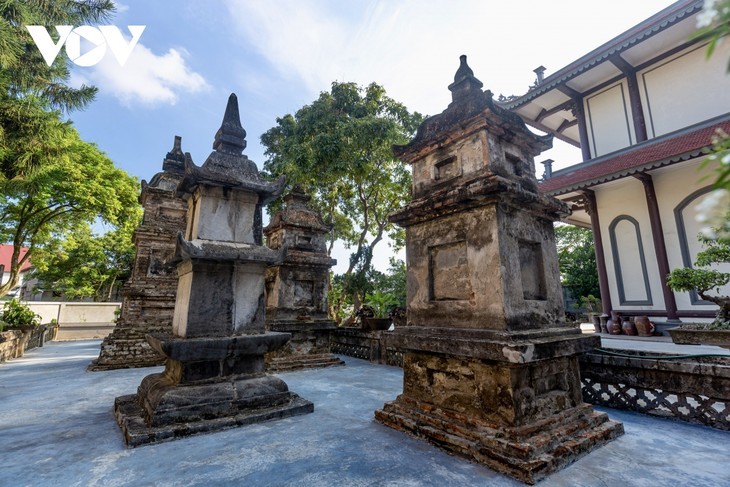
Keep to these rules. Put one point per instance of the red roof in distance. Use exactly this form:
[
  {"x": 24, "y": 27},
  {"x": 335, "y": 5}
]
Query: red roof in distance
[{"x": 6, "y": 252}]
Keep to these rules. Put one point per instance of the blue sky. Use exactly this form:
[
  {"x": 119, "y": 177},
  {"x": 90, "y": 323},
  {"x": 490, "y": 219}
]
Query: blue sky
[{"x": 277, "y": 55}]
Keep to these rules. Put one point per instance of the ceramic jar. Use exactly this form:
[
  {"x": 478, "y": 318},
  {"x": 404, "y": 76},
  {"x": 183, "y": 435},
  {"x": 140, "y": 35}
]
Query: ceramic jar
[
  {"x": 628, "y": 327},
  {"x": 614, "y": 323},
  {"x": 644, "y": 327}
]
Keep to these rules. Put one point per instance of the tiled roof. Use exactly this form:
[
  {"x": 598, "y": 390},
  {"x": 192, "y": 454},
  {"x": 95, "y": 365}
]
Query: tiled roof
[
  {"x": 647, "y": 155},
  {"x": 644, "y": 30},
  {"x": 6, "y": 252}
]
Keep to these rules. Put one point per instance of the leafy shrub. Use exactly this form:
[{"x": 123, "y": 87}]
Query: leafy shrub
[
  {"x": 15, "y": 314},
  {"x": 380, "y": 303}
]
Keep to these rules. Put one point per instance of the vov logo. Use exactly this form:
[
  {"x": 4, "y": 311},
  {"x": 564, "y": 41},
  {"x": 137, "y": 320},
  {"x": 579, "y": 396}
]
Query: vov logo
[{"x": 100, "y": 37}]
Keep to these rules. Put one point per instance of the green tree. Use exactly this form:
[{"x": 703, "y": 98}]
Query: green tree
[
  {"x": 577, "y": 261},
  {"x": 393, "y": 281},
  {"x": 338, "y": 149},
  {"x": 87, "y": 265},
  {"x": 30, "y": 89},
  {"x": 80, "y": 184},
  {"x": 23, "y": 71},
  {"x": 704, "y": 279},
  {"x": 45, "y": 187}
]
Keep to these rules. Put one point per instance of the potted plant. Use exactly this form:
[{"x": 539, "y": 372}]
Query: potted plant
[
  {"x": 704, "y": 280},
  {"x": 374, "y": 314}
]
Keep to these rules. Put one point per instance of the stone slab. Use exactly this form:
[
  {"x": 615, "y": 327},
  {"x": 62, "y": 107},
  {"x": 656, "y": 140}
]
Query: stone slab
[
  {"x": 528, "y": 454},
  {"x": 129, "y": 416},
  {"x": 489, "y": 345},
  {"x": 216, "y": 348}
]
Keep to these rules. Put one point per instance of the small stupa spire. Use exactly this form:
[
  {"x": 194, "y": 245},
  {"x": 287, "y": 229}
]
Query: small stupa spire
[
  {"x": 231, "y": 137},
  {"x": 175, "y": 159},
  {"x": 465, "y": 84}
]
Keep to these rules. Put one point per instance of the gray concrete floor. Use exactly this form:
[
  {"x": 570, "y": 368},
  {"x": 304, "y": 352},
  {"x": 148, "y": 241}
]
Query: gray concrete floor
[{"x": 57, "y": 429}]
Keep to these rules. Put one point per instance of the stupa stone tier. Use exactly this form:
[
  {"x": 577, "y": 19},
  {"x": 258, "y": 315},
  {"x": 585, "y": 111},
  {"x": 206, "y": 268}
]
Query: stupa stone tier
[
  {"x": 149, "y": 294},
  {"x": 490, "y": 366},
  {"x": 297, "y": 285},
  {"x": 214, "y": 374}
]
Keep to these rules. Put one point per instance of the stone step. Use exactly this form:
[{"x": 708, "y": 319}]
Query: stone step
[{"x": 287, "y": 364}]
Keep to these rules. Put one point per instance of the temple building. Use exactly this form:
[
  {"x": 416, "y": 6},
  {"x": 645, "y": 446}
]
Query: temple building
[{"x": 643, "y": 109}]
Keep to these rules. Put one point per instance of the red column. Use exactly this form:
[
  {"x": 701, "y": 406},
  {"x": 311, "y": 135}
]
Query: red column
[
  {"x": 660, "y": 247},
  {"x": 592, "y": 210}
]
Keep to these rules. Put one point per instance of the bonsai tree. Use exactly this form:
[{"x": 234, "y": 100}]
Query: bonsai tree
[
  {"x": 591, "y": 304},
  {"x": 704, "y": 280}
]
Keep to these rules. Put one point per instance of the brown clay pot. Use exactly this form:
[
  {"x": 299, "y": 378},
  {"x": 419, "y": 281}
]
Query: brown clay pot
[
  {"x": 614, "y": 323},
  {"x": 629, "y": 327},
  {"x": 376, "y": 324},
  {"x": 644, "y": 327}
]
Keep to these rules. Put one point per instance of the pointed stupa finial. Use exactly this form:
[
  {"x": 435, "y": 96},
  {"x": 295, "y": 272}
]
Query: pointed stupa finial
[
  {"x": 231, "y": 137},
  {"x": 174, "y": 160},
  {"x": 465, "y": 84},
  {"x": 297, "y": 197}
]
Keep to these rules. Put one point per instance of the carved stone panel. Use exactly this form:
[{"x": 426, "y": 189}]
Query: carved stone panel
[
  {"x": 532, "y": 271},
  {"x": 449, "y": 272},
  {"x": 303, "y": 293}
]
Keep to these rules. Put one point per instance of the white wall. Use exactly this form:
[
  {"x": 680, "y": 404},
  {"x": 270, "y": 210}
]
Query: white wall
[
  {"x": 609, "y": 120},
  {"x": 73, "y": 312},
  {"x": 626, "y": 197},
  {"x": 685, "y": 89},
  {"x": 77, "y": 321},
  {"x": 672, "y": 186}
]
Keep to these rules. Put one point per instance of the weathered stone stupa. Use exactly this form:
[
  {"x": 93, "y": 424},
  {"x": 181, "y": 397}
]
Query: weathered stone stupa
[
  {"x": 490, "y": 366},
  {"x": 297, "y": 285},
  {"x": 214, "y": 374},
  {"x": 149, "y": 294}
]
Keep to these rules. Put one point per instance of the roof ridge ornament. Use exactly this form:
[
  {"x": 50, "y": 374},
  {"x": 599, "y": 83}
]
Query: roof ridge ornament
[
  {"x": 465, "y": 84},
  {"x": 231, "y": 137}
]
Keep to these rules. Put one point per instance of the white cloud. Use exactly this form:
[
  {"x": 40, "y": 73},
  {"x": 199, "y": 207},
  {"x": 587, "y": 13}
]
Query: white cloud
[
  {"x": 412, "y": 47},
  {"x": 146, "y": 78}
]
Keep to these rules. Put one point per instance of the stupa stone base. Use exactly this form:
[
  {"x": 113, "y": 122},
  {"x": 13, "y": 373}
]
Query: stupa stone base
[
  {"x": 209, "y": 383},
  {"x": 125, "y": 353},
  {"x": 527, "y": 453},
  {"x": 514, "y": 405},
  {"x": 309, "y": 346},
  {"x": 130, "y": 418}
]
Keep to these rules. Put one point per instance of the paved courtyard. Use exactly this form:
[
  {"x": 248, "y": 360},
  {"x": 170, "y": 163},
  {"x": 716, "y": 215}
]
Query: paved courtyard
[{"x": 57, "y": 429}]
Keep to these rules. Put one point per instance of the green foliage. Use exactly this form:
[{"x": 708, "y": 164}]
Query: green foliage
[
  {"x": 50, "y": 180},
  {"x": 393, "y": 282},
  {"x": 87, "y": 265},
  {"x": 339, "y": 150},
  {"x": 705, "y": 280},
  {"x": 77, "y": 184},
  {"x": 15, "y": 314},
  {"x": 577, "y": 261},
  {"x": 381, "y": 303},
  {"x": 591, "y": 303},
  {"x": 23, "y": 72}
]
